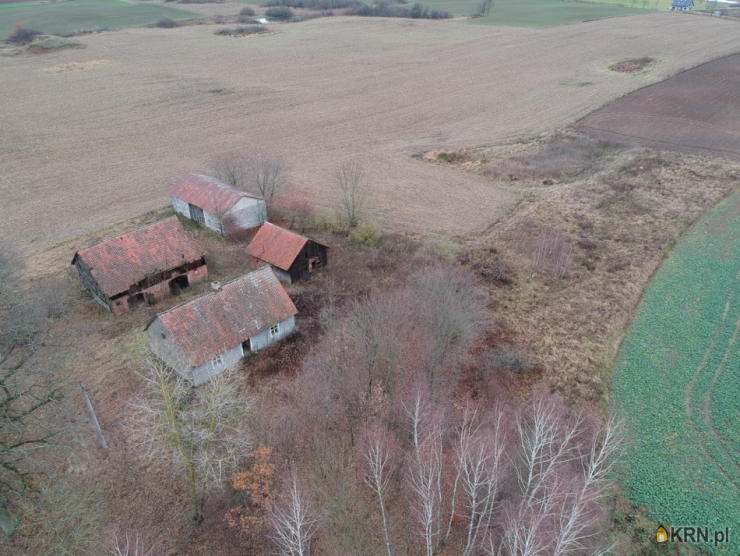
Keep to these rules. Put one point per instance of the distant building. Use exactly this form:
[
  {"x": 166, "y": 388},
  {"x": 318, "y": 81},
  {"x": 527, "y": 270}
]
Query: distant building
[
  {"x": 682, "y": 5},
  {"x": 218, "y": 206},
  {"x": 291, "y": 256},
  {"x": 201, "y": 338},
  {"x": 141, "y": 266}
]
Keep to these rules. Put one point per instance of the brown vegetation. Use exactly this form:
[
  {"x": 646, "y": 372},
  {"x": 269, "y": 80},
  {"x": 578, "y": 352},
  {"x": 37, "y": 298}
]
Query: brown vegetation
[
  {"x": 583, "y": 250},
  {"x": 76, "y": 66},
  {"x": 631, "y": 66}
]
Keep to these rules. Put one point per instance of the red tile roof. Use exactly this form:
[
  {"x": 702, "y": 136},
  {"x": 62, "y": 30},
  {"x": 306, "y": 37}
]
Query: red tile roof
[
  {"x": 208, "y": 193},
  {"x": 219, "y": 321},
  {"x": 120, "y": 262},
  {"x": 276, "y": 246}
]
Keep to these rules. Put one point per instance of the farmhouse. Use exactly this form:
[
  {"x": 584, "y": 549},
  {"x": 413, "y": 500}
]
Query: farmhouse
[
  {"x": 218, "y": 206},
  {"x": 201, "y": 338},
  {"x": 682, "y": 5},
  {"x": 291, "y": 256},
  {"x": 141, "y": 266}
]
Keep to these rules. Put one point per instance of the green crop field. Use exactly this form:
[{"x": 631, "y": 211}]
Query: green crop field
[
  {"x": 83, "y": 14},
  {"x": 676, "y": 383},
  {"x": 532, "y": 13}
]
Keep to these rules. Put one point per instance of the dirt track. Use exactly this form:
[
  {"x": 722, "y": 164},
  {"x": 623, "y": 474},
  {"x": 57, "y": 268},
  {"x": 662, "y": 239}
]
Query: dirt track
[
  {"x": 696, "y": 111},
  {"x": 84, "y": 149}
]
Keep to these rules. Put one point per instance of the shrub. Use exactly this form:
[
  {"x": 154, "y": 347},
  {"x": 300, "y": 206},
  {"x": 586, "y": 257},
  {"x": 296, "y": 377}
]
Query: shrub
[
  {"x": 366, "y": 234},
  {"x": 21, "y": 35},
  {"x": 246, "y": 19},
  {"x": 510, "y": 359},
  {"x": 327, "y": 222},
  {"x": 247, "y": 11},
  {"x": 563, "y": 156},
  {"x": 280, "y": 12},
  {"x": 241, "y": 31},
  {"x": 417, "y": 11},
  {"x": 166, "y": 23},
  {"x": 313, "y": 4},
  {"x": 497, "y": 271}
]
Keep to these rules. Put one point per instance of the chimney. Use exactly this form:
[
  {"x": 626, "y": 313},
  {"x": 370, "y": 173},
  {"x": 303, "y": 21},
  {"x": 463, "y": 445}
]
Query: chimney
[{"x": 215, "y": 286}]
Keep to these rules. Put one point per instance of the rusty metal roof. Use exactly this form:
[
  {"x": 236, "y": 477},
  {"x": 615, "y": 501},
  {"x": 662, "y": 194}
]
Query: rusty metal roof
[
  {"x": 208, "y": 193},
  {"x": 120, "y": 262},
  {"x": 219, "y": 321},
  {"x": 276, "y": 246}
]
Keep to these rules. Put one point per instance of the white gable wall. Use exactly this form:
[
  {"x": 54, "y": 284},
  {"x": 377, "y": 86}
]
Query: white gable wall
[
  {"x": 180, "y": 206},
  {"x": 248, "y": 213}
]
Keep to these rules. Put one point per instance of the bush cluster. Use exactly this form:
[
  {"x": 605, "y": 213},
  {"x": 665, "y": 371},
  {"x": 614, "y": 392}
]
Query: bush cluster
[
  {"x": 242, "y": 31},
  {"x": 313, "y": 4},
  {"x": 21, "y": 35},
  {"x": 167, "y": 23},
  {"x": 280, "y": 12},
  {"x": 417, "y": 11},
  {"x": 247, "y": 11}
]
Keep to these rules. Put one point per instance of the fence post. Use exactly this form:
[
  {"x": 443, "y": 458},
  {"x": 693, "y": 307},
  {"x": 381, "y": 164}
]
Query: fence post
[{"x": 94, "y": 418}]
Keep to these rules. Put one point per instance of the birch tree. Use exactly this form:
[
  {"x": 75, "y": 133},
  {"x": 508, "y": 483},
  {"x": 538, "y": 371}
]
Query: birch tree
[
  {"x": 198, "y": 430},
  {"x": 354, "y": 191},
  {"x": 380, "y": 462},
  {"x": 295, "y": 521}
]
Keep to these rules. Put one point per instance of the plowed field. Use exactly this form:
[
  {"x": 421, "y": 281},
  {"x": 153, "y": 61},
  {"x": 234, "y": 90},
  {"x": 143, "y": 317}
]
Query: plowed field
[
  {"x": 696, "y": 111},
  {"x": 80, "y": 150}
]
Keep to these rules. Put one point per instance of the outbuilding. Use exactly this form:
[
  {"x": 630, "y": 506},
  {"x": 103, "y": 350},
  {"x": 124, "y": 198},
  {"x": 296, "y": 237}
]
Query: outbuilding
[
  {"x": 682, "y": 5},
  {"x": 201, "y": 338},
  {"x": 218, "y": 206},
  {"x": 292, "y": 257},
  {"x": 141, "y": 266}
]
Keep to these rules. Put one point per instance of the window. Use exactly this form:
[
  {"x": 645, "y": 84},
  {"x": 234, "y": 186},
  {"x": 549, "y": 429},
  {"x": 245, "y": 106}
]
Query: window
[
  {"x": 217, "y": 361},
  {"x": 274, "y": 330}
]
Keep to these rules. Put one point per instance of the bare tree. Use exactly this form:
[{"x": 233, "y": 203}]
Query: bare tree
[
  {"x": 30, "y": 391},
  {"x": 425, "y": 467},
  {"x": 198, "y": 430},
  {"x": 380, "y": 461},
  {"x": 294, "y": 520},
  {"x": 135, "y": 549},
  {"x": 267, "y": 173},
  {"x": 354, "y": 191},
  {"x": 484, "y": 8},
  {"x": 231, "y": 168}
]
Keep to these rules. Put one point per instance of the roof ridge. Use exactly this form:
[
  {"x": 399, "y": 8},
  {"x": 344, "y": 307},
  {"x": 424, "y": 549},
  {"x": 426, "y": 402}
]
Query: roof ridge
[
  {"x": 131, "y": 232},
  {"x": 215, "y": 292}
]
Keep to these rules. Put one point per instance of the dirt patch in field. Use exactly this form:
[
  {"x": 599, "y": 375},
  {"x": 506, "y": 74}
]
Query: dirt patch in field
[
  {"x": 631, "y": 66},
  {"x": 76, "y": 66},
  {"x": 696, "y": 111}
]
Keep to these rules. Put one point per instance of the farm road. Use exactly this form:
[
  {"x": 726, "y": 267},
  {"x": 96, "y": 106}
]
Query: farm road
[{"x": 85, "y": 149}]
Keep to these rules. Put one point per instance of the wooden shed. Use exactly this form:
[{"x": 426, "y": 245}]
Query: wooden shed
[
  {"x": 141, "y": 266},
  {"x": 203, "y": 337},
  {"x": 293, "y": 257},
  {"x": 218, "y": 206}
]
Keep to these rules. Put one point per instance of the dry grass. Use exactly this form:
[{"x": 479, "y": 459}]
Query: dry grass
[
  {"x": 620, "y": 222},
  {"x": 108, "y": 144},
  {"x": 76, "y": 66}
]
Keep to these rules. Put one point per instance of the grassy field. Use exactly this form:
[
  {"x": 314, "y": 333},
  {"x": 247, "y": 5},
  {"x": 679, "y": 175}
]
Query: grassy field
[
  {"x": 83, "y": 14},
  {"x": 532, "y": 13},
  {"x": 676, "y": 382}
]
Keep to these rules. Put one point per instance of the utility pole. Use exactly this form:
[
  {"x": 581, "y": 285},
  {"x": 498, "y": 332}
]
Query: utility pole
[{"x": 94, "y": 418}]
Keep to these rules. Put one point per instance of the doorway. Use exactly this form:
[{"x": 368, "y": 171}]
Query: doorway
[
  {"x": 178, "y": 284},
  {"x": 196, "y": 213}
]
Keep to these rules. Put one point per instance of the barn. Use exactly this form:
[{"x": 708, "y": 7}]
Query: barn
[
  {"x": 217, "y": 206},
  {"x": 142, "y": 266},
  {"x": 291, "y": 256},
  {"x": 201, "y": 338},
  {"x": 682, "y": 5}
]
